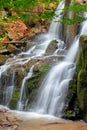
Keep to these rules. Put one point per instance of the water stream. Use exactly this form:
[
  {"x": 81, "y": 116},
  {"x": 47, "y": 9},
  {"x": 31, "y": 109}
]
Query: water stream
[
  {"x": 22, "y": 103},
  {"x": 53, "y": 91},
  {"x": 55, "y": 86}
]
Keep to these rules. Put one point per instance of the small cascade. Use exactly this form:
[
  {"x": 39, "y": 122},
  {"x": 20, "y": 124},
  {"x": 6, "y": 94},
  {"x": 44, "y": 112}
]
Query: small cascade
[
  {"x": 55, "y": 86},
  {"x": 8, "y": 91},
  {"x": 37, "y": 50},
  {"x": 55, "y": 29},
  {"x": 84, "y": 25},
  {"x": 22, "y": 103}
]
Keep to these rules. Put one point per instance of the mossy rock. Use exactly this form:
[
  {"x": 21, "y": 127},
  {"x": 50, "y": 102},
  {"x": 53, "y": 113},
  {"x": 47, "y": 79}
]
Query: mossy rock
[
  {"x": 82, "y": 78},
  {"x": 82, "y": 91},
  {"x": 15, "y": 98},
  {"x": 35, "y": 81},
  {"x": 70, "y": 103},
  {"x": 52, "y": 47}
]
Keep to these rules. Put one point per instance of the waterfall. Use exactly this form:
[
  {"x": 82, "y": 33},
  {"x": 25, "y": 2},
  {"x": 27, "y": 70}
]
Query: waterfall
[
  {"x": 84, "y": 26},
  {"x": 22, "y": 103},
  {"x": 55, "y": 86},
  {"x": 55, "y": 29},
  {"x": 35, "y": 51},
  {"x": 53, "y": 91},
  {"x": 8, "y": 91}
]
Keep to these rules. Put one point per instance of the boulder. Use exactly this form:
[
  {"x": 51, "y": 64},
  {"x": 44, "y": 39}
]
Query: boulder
[
  {"x": 12, "y": 49},
  {"x": 3, "y": 58},
  {"x": 53, "y": 45}
]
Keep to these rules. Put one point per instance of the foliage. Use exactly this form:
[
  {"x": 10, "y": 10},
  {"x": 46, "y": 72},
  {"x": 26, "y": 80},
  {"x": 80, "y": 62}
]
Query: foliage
[
  {"x": 24, "y": 8},
  {"x": 78, "y": 10}
]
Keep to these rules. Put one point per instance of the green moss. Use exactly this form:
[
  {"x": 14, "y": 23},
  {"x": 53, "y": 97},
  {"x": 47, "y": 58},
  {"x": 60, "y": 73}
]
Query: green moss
[
  {"x": 69, "y": 114},
  {"x": 52, "y": 47},
  {"x": 15, "y": 99},
  {"x": 72, "y": 89},
  {"x": 82, "y": 78},
  {"x": 35, "y": 81}
]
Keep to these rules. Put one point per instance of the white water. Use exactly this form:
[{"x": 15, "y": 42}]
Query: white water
[
  {"x": 56, "y": 27},
  {"x": 55, "y": 86},
  {"x": 35, "y": 51},
  {"x": 84, "y": 26},
  {"x": 22, "y": 103},
  {"x": 8, "y": 92}
]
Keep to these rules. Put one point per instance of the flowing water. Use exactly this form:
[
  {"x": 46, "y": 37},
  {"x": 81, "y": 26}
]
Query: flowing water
[
  {"x": 8, "y": 91},
  {"x": 35, "y": 51},
  {"x": 53, "y": 91},
  {"x": 22, "y": 103},
  {"x": 56, "y": 27},
  {"x": 55, "y": 86}
]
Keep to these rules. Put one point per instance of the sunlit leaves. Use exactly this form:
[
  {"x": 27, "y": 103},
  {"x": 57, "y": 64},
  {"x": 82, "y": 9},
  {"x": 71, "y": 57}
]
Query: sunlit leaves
[{"x": 73, "y": 21}]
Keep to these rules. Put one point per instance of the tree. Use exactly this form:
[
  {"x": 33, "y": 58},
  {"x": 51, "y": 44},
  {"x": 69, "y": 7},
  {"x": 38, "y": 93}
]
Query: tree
[{"x": 78, "y": 7}]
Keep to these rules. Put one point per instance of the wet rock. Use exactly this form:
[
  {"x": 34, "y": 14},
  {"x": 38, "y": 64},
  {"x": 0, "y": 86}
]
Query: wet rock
[
  {"x": 52, "y": 47},
  {"x": 8, "y": 121},
  {"x": 3, "y": 58},
  {"x": 82, "y": 78}
]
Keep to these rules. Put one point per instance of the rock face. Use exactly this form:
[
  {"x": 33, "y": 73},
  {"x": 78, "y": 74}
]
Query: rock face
[
  {"x": 52, "y": 47},
  {"x": 82, "y": 78},
  {"x": 14, "y": 77},
  {"x": 76, "y": 101},
  {"x": 9, "y": 49}
]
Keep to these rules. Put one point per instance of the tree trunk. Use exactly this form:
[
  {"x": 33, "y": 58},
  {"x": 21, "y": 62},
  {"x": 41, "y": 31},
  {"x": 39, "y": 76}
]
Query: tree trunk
[{"x": 69, "y": 31}]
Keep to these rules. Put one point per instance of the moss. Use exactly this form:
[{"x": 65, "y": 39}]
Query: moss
[
  {"x": 52, "y": 47},
  {"x": 82, "y": 78},
  {"x": 34, "y": 82},
  {"x": 1, "y": 95},
  {"x": 72, "y": 89},
  {"x": 69, "y": 114},
  {"x": 13, "y": 103}
]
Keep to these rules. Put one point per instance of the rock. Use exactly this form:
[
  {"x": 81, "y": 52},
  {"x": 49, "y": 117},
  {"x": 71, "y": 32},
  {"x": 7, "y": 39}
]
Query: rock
[
  {"x": 82, "y": 78},
  {"x": 12, "y": 49},
  {"x": 52, "y": 47},
  {"x": 8, "y": 121},
  {"x": 3, "y": 58},
  {"x": 15, "y": 127},
  {"x": 76, "y": 101}
]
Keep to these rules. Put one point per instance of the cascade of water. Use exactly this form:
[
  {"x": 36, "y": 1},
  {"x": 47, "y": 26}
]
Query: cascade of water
[
  {"x": 84, "y": 25},
  {"x": 55, "y": 29},
  {"x": 22, "y": 103},
  {"x": 35, "y": 51},
  {"x": 54, "y": 87},
  {"x": 53, "y": 91},
  {"x": 8, "y": 91}
]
